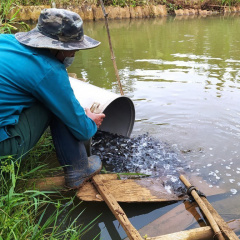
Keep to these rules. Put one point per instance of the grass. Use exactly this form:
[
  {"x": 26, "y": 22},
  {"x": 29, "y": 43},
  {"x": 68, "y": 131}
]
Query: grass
[
  {"x": 10, "y": 24},
  {"x": 24, "y": 212},
  {"x": 176, "y": 4}
]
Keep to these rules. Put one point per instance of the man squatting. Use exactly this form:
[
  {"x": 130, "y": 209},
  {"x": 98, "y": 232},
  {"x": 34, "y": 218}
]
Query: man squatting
[{"x": 35, "y": 93}]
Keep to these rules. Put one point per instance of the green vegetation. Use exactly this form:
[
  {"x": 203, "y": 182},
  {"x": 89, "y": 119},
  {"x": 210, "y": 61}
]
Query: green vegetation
[
  {"x": 171, "y": 4},
  {"x": 10, "y": 24},
  {"x": 24, "y": 212}
]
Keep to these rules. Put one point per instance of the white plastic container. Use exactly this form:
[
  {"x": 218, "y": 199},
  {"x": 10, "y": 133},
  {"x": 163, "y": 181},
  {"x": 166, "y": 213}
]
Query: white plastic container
[{"x": 119, "y": 110}]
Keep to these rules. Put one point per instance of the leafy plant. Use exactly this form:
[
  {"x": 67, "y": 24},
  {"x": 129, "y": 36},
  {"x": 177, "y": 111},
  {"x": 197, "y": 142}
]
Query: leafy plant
[
  {"x": 133, "y": 3},
  {"x": 8, "y": 22},
  {"x": 24, "y": 211},
  {"x": 23, "y": 214}
]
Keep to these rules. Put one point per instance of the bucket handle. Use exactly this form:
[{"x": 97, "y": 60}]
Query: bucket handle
[{"x": 95, "y": 107}]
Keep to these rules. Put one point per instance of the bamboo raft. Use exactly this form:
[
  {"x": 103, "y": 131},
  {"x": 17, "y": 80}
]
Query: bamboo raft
[{"x": 108, "y": 188}]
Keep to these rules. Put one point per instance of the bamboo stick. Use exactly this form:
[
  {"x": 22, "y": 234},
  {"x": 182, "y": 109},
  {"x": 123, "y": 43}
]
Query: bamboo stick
[
  {"x": 118, "y": 212},
  {"x": 202, "y": 233},
  {"x": 230, "y": 234},
  {"x": 110, "y": 45},
  {"x": 205, "y": 210}
]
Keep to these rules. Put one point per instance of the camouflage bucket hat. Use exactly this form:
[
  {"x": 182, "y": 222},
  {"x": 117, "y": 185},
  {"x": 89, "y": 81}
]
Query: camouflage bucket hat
[{"x": 57, "y": 29}]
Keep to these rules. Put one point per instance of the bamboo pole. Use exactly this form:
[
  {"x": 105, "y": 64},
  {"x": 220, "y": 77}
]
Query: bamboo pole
[
  {"x": 111, "y": 49},
  {"x": 230, "y": 234},
  {"x": 202, "y": 233},
  {"x": 205, "y": 210},
  {"x": 118, "y": 212}
]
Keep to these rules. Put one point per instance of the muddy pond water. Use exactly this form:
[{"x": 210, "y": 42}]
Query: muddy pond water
[{"x": 183, "y": 75}]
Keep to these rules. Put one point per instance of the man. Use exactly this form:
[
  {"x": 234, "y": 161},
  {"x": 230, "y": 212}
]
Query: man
[{"x": 35, "y": 92}]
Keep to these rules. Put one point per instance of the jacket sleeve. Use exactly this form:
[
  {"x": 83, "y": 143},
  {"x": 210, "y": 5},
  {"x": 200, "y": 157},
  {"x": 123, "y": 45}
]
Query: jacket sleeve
[{"x": 55, "y": 92}]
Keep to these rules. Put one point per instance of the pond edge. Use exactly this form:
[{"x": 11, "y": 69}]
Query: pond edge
[{"x": 92, "y": 12}]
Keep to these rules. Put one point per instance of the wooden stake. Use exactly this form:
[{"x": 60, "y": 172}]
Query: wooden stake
[
  {"x": 110, "y": 45},
  {"x": 118, "y": 212},
  {"x": 205, "y": 210}
]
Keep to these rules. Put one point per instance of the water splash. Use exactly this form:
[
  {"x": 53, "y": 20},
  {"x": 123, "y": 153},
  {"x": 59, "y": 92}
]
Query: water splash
[{"x": 141, "y": 154}]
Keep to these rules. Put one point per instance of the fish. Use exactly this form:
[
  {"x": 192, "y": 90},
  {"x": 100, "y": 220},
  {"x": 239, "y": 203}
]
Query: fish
[{"x": 141, "y": 154}]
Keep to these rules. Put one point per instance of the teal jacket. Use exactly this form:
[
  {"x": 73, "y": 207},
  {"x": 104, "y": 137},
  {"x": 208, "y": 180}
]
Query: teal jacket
[{"x": 30, "y": 74}]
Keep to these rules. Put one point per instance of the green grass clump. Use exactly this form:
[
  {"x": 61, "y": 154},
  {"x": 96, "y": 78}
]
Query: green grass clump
[
  {"x": 10, "y": 24},
  {"x": 24, "y": 212}
]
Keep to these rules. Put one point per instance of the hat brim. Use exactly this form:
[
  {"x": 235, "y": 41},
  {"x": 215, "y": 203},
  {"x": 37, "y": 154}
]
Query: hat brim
[{"x": 36, "y": 39}]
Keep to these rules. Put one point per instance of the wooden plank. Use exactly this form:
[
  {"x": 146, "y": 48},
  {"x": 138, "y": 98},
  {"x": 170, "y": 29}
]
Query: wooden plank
[
  {"x": 90, "y": 193},
  {"x": 58, "y": 183},
  {"x": 128, "y": 190},
  {"x": 131, "y": 190},
  {"x": 177, "y": 219},
  {"x": 230, "y": 234},
  {"x": 142, "y": 190},
  {"x": 48, "y": 183},
  {"x": 203, "y": 233},
  {"x": 118, "y": 212}
]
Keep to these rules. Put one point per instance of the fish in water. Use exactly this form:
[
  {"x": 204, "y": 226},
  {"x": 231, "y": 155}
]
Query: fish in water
[{"x": 141, "y": 154}]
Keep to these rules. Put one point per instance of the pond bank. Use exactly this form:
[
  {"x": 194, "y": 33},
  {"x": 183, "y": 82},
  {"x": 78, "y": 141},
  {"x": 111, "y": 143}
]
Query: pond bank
[{"x": 94, "y": 12}]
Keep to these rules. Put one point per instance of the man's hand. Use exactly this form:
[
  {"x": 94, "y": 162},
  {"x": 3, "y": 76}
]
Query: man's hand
[{"x": 97, "y": 118}]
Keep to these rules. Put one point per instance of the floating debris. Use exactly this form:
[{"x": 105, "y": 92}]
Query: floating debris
[
  {"x": 233, "y": 191},
  {"x": 142, "y": 154}
]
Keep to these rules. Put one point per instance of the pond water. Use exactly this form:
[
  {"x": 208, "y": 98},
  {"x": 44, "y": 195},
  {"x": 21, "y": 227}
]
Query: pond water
[{"x": 183, "y": 75}]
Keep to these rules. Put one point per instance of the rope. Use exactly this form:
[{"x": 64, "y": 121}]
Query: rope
[{"x": 190, "y": 189}]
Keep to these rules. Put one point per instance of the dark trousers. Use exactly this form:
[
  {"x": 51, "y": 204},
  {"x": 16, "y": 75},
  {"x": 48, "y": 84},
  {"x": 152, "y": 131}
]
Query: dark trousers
[{"x": 71, "y": 152}]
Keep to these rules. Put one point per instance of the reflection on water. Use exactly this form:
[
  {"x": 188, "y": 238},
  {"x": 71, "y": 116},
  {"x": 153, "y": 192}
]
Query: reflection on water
[{"x": 183, "y": 76}]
